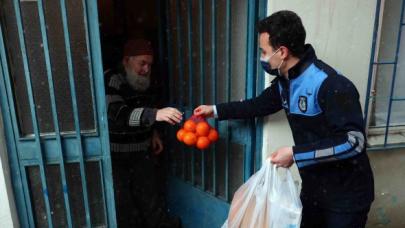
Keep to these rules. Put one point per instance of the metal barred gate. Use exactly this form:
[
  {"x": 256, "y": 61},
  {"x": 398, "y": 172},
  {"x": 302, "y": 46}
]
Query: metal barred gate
[
  {"x": 385, "y": 98},
  {"x": 212, "y": 57},
  {"x": 53, "y": 105}
]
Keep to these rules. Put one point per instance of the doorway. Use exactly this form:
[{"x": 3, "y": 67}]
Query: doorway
[{"x": 52, "y": 92}]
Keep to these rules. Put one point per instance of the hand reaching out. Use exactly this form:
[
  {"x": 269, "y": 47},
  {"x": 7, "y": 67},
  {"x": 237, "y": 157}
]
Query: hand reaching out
[
  {"x": 169, "y": 115},
  {"x": 204, "y": 110}
]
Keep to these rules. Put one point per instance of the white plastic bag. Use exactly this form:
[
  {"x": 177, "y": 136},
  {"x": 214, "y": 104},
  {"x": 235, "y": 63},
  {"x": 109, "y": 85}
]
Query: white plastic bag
[{"x": 269, "y": 199}]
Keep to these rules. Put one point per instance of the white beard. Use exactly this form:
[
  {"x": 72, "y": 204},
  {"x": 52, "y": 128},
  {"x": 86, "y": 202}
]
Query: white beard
[{"x": 137, "y": 82}]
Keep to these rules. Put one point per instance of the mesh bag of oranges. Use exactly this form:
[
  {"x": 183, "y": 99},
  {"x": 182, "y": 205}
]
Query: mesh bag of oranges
[{"x": 197, "y": 132}]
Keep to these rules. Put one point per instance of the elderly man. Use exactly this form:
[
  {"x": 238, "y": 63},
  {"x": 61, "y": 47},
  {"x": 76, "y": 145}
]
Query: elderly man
[{"x": 132, "y": 114}]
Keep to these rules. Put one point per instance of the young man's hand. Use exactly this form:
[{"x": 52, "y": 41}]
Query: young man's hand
[
  {"x": 204, "y": 110},
  {"x": 282, "y": 157},
  {"x": 169, "y": 115}
]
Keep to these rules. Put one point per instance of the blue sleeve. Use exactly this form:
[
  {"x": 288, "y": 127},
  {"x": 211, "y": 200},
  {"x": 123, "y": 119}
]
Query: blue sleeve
[{"x": 339, "y": 101}]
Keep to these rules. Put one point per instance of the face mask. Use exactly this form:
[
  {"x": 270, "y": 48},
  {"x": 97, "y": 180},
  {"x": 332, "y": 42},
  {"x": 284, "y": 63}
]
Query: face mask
[
  {"x": 267, "y": 67},
  {"x": 137, "y": 82}
]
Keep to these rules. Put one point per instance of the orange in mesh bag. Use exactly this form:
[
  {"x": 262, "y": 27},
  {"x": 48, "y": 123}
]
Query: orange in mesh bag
[
  {"x": 268, "y": 199},
  {"x": 197, "y": 132}
]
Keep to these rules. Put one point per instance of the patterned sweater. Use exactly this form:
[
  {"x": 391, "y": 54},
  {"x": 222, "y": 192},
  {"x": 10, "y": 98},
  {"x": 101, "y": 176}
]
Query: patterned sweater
[{"x": 131, "y": 114}]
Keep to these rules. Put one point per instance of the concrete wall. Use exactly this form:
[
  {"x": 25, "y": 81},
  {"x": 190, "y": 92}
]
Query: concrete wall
[
  {"x": 341, "y": 33},
  {"x": 8, "y": 215},
  {"x": 389, "y": 173}
]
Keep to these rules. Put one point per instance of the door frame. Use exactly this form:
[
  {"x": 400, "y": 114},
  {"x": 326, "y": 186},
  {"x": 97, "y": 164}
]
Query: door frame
[
  {"x": 210, "y": 204},
  {"x": 20, "y": 188}
]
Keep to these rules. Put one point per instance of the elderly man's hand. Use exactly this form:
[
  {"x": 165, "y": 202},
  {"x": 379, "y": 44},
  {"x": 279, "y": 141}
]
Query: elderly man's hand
[
  {"x": 169, "y": 115},
  {"x": 282, "y": 157},
  {"x": 157, "y": 144},
  {"x": 204, "y": 110}
]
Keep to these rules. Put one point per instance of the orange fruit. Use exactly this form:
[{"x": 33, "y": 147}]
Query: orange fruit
[
  {"x": 203, "y": 143},
  {"x": 180, "y": 134},
  {"x": 202, "y": 129},
  {"x": 213, "y": 135},
  {"x": 189, "y": 125},
  {"x": 189, "y": 138}
]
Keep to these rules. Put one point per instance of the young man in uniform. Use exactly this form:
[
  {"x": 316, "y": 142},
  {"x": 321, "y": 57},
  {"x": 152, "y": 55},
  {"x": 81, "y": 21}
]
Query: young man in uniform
[{"x": 325, "y": 117}]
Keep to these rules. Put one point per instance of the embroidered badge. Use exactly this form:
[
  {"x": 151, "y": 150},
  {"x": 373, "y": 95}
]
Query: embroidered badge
[{"x": 302, "y": 103}]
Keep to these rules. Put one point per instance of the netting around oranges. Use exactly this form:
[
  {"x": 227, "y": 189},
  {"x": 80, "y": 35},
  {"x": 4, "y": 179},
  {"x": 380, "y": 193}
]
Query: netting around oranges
[{"x": 197, "y": 132}]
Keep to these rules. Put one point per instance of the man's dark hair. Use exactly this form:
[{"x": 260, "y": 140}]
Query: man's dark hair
[{"x": 285, "y": 29}]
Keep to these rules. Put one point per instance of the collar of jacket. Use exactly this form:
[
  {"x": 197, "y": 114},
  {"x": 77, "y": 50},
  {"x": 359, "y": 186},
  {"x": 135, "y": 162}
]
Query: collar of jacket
[{"x": 305, "y": 61}]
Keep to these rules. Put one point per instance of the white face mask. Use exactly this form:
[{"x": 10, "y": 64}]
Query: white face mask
[{"x": 137, "y": 82}]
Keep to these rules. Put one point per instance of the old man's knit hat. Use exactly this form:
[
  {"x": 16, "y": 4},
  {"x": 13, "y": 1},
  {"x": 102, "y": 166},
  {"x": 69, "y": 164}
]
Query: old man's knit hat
[{"x": 138, "y": 47}]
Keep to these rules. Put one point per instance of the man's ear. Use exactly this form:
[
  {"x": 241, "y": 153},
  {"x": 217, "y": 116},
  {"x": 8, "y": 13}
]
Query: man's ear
[
  {"x": 125, "y": 60},
  {"x": 285, "y": 53}
]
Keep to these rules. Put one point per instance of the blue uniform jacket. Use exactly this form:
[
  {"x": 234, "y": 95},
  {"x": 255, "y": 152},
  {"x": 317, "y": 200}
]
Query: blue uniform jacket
[{"x": 326, "y": 120}]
